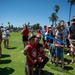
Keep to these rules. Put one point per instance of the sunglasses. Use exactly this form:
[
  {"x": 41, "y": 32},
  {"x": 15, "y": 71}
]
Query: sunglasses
[{"x": 39, "y": 37}]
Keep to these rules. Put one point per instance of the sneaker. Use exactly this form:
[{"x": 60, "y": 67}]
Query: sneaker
[{"x": 68, "y": 54}]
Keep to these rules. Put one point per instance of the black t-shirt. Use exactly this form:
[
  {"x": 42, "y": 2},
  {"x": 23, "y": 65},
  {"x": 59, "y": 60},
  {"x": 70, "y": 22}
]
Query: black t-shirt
[{"x": 72, "y": 32}]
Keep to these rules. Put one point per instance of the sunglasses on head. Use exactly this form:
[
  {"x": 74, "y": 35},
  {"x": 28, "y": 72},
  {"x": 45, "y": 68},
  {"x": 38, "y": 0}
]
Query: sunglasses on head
[{"x": 38, "y": 37}]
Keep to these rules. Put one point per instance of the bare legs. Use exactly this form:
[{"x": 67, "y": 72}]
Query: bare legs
[
  {"x": 6, "y": 43},
  {"x": 25, "y": 43},
  {"x": 72, "y": 53}
]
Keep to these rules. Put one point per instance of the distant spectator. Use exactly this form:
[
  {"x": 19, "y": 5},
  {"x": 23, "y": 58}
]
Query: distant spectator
[
  {"x": 44, "y": 31},
  {"x": 39, "y": 32},
  {"x": 25, "y": 33},
  {"x": 5, "y": 36}
]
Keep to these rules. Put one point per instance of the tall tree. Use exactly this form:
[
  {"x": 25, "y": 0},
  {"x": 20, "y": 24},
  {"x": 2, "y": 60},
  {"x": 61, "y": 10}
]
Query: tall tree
[
  {"x": 71, "y": 3},
  {"x": 53, "y": 18},
  {"x": 9, "y": 24},
  {"x": 56, "y": 8}
]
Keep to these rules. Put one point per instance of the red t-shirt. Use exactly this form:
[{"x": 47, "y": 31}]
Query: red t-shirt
[
  {"x": 25, "y": 32},
  {"x": 32, "y": 53},
  {"x": 45, "y": 29},
  {"x": 41, "y": 56}
]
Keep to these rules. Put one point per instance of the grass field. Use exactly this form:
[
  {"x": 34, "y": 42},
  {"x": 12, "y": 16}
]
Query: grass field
[{"x": 13, "y": 60}]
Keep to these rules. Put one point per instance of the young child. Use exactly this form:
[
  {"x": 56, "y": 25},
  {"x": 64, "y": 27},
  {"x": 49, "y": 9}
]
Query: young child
[
  {"x": 59, "y": 51},
  {"x": 42, "y": 59},
  {"x": 52, "y": 52},
  {"x": 31, "y": 55}
]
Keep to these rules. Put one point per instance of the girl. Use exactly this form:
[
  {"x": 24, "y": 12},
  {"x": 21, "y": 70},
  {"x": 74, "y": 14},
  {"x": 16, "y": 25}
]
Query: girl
[
  {"x": 5, "y": 36},
  {"x": 42, "y": 59},
  {"x": 52, "y": 52},
  {"x": 59, "y": 51}
]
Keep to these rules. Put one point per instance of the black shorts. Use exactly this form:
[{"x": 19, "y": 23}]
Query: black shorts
[
  {"x": 24, "y": 38},
  {"x": 67, "y": 43}
]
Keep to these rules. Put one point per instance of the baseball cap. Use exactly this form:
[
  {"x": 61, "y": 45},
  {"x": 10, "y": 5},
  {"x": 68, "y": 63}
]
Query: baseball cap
[{"x": 30, "y": 37}]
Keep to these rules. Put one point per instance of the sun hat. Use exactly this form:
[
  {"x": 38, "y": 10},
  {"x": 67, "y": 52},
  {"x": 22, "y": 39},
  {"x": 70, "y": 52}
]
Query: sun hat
[{"x": 73, "y": 18}]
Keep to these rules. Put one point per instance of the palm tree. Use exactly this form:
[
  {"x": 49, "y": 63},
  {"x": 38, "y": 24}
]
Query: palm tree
[
  {"x": 9, "y": 24},
  {"x": 71, "y": 3},
  {"x": 53, "y": 18},
  {"x": 56, "y": 8}
]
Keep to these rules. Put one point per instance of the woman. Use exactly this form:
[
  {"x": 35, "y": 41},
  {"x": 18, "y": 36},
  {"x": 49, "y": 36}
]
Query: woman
[
  {"x": 72, "y": 39},
  {"x": 5, "y": 36},
  {"x": 25, "y": 33}
]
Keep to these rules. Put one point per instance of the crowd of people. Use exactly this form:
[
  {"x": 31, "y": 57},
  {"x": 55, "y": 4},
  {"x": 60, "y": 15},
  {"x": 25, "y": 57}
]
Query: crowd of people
[{"x": 55, "y": 39}]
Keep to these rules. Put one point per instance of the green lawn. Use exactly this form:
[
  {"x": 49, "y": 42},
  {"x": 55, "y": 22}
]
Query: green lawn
[{"x": 13, "y": 60}]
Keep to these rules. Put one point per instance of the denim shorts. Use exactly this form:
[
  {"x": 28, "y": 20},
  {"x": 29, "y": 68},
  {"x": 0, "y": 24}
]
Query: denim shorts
[
  {"x": 52, "y": 51},
  {"x": 59, "y": 53}
]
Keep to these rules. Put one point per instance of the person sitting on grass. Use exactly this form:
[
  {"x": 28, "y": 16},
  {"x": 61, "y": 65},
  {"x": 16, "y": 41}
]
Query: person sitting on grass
[
  {"x": 31, "y": 55},
  {"x": 42, "y": 59}
]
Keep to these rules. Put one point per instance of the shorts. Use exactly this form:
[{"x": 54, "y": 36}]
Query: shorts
[
  {"x": 52, "y": 52},
  {"x": 24, "y": 38},
  {"x": 67, "y": 43},
  {"x": 72, "y": 41},
  {"x": 59, "y": 53},
  {"x": 5, "y": 38},
  {"x": 26, "y": 67}
]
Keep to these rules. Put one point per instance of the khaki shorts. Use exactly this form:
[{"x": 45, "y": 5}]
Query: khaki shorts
[{"x": 72, "y": 41}]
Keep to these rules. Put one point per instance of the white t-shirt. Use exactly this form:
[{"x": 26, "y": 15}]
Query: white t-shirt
[{"x": 5, "y": 34}]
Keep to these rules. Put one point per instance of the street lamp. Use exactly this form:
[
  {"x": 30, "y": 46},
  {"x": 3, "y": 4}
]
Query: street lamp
[{"x": 71, "y": 3}]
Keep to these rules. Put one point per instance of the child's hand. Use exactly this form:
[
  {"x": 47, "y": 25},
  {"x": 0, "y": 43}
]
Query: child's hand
[
  {"x": 25, "y": 50},
  {"x": 42, "y": 60},
  {"x": 57, "y": 45},
  {"x": 33, "y": 61}
]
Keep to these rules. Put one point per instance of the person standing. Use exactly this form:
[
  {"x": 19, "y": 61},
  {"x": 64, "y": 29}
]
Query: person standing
[
  {"x": 59, "y": 50},
  {"x": 31, "y": 55},
  {"x": 5, "y": 36},
  {"x": 25, "y": 33},
  {"x": 0, "y": 43},
  {"x": 71, "y": 37}
]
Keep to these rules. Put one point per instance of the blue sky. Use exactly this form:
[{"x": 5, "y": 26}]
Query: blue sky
[{"x": 18, "y": 12}]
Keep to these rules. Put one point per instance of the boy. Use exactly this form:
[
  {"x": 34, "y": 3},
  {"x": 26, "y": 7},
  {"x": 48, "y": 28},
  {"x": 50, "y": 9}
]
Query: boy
[{"x": 31, "y": 55}]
